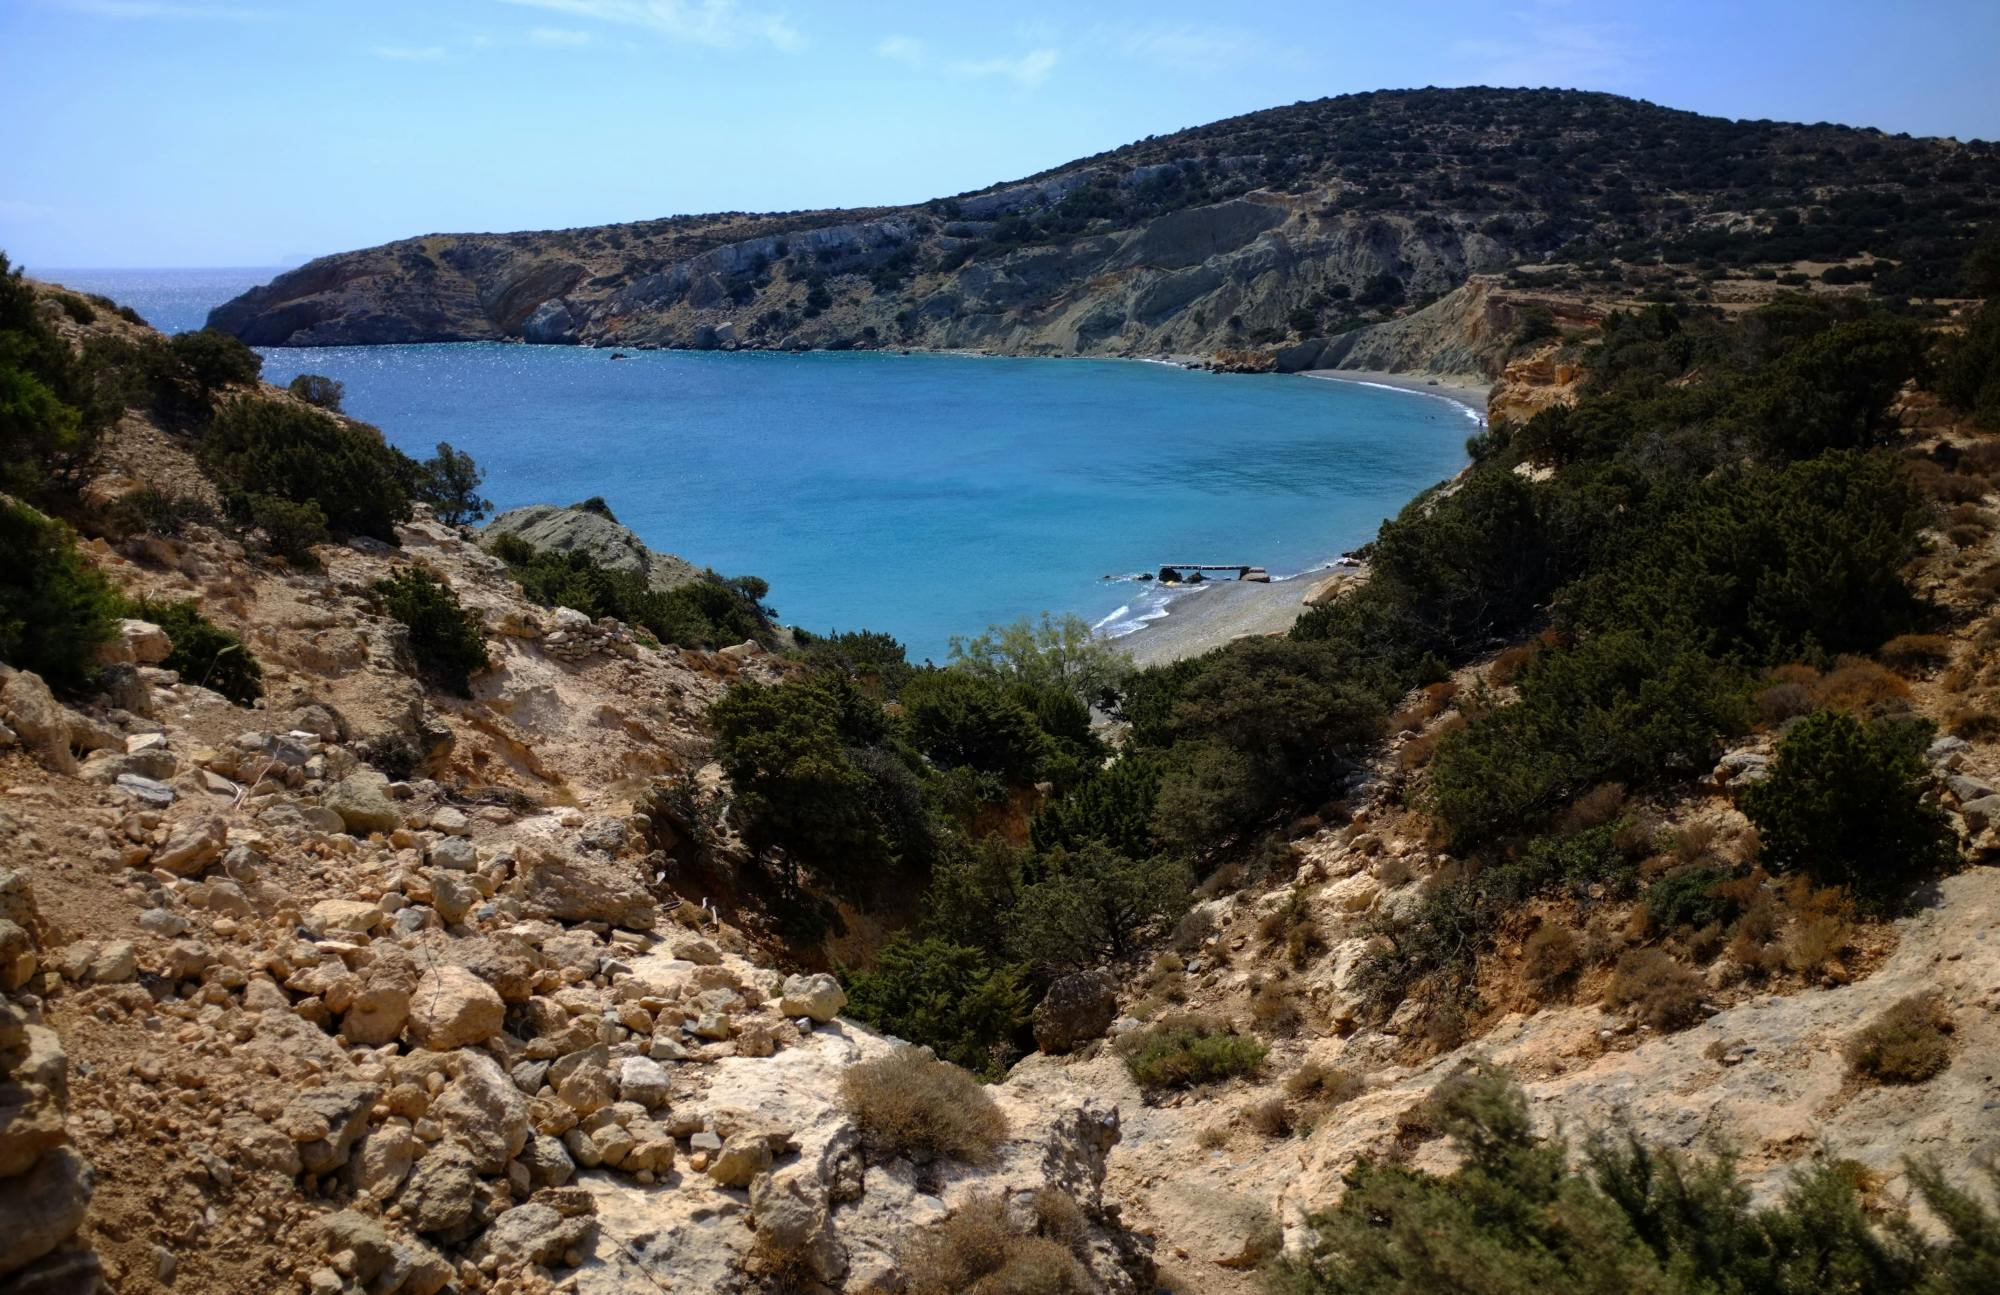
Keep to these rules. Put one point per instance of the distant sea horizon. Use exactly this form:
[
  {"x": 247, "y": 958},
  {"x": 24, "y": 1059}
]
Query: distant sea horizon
[{"x": 924, "y": 495}]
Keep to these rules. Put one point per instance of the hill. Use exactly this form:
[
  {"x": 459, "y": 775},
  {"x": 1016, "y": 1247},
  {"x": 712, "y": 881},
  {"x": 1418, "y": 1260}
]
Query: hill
[{"x": 1255, "y": 240}]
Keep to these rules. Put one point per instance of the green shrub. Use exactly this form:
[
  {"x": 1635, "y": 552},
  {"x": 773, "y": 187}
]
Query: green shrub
[
  {"x": 706, "y": 612},
  {"x": 1048, "y": 653},
  {"x": 320, "y": 392},
  {"x": 205, "y": 653},
  {"x": 908, "y": 1104},
  {"x": 216, "y": 360},
  {"x": 1517, "y": 1216},
  {"x": 55, "y": 608},
  {"x": 1185, "y": 1050},
  {"x": 1078, "y": 909},
  {"x": 823, "y": 781},
  {"x": 78, "y": 310},
  {"x": 1908, "y": 1042},
  {"x": 1114, "y": 807},
  {"x": 1622, "y": 706},
  {"x": 41, "y": 428},
  {"x": 1690, "y": 897},
  {"x": 265, "y": 447},
  {"x": 1847, "y": 804},
  {"x": 959, "y": 719},
  {"x": 872, "y": 659},
  {"x": 444, "y": 636},
  {"x": 945, "y": 996},
  {"x": 449, "y": 482},
  {"x": 290, "y": 529}
]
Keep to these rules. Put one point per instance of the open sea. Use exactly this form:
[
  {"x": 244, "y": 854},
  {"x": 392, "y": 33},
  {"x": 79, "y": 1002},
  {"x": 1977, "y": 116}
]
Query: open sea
[{"x": 924, "y": 495}]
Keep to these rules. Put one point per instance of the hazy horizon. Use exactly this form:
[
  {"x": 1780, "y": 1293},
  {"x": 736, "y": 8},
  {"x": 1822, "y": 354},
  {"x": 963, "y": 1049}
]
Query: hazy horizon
[{"x": 255, "y": 134}]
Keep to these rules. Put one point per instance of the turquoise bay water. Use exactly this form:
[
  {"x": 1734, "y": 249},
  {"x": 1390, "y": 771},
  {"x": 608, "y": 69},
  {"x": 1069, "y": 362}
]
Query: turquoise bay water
[{"x": 922, "y": 495}]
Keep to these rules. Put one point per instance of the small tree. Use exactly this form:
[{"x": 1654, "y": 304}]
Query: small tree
[
  {"x": 1064, "y": 653},
  {"x": 444, "y": 636},
  {"x": 55, "y": 608},
  {"x": 449, "y": 482},
  {"x": 946, "y": 996},
  {"x": 216, "y": 359},
  {"x": 320, "y": 392},
  {"x": 1846, "y": 804}
]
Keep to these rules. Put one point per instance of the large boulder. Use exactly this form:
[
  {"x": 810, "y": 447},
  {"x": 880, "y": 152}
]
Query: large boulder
[
  {"x": 324, "y": 1123},
  {"x": 191, "y": 847},
  {"x": 594, "y": 890},
  {"x": 483, "y": 1110},
  {"x": 438, "y": 1194},
  {"x": 1076, "y": 1010},
  {"x": 37, "y": 718},
  {"x": 818, "y": 996},
  {"x": 43, "y": 1208},
  {"x": 597, "y": 535},
  {"x": 535, "y": 1234},
  {"x": 363, "y": 802},
  {"x": 452, "y": 1008}
]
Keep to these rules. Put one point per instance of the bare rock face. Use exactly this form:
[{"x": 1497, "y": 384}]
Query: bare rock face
[
  {"x": 43, "y": 1207},
  {"x": 452, "y": 1008},
  {"x": 1076, "y": 1010},
  {"x": 362, "y": 800},
  {"x": 577, "y": 890},
  {"x": 38, "y": 719},
  {"x": 602, "y": 538}
]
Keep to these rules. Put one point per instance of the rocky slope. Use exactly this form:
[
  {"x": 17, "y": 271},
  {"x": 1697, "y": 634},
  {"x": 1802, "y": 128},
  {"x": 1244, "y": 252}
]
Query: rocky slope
[
  {"x": 371, "y": 988},
  {"x": 1281, "y": 229}
]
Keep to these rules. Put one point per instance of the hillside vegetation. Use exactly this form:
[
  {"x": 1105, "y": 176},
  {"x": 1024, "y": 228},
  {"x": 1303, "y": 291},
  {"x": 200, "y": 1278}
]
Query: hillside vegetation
[
  {"x": 428, "y": 907},
  {"x": 1251, "y": 241}
]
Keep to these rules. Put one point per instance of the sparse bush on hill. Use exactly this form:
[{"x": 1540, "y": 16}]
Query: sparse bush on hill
[
  {"x": 205, "y": 653},
  {"x": 449, "y": 482},
  {"x": 1049, "y": 653},
  {"x": 55, "y": 608},
  {"x": 979, "y": 1248},
  {"x": 1185, "y": 1050},
  {"x": 1846, "y": 803},
  {"x": 41, "y": 428},
  {"x": 216, "y": 360},
  {"x": 257, "y": 447},
  {"x": 444, "y": 635},
  {"x": 1906, "y": 1043},
  {"x": 1516, "y": 1216},
  {"x": 708, "y": 612},
  {"x": 321, "y": 392},
  {"x": 909, "y": 1104},
  {"x": 872, "y": 659},
  {"x": 946, "y": 996},
  {"x": 1659, "y": 991}
]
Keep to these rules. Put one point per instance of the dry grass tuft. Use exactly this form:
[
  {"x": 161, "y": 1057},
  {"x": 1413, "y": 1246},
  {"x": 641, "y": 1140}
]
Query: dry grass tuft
[
  {"x": 1658, "y": 990},
  {"x": 1549, "y": 958},
  {"x": 908, "y": 1103},
  {"x": 1908, "y": 1043},
  {"x": 1910, "y": 653},
  {"x": 979, "y": 1249}
]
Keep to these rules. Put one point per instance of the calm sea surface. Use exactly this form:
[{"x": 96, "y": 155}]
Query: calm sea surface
[{"x": 923, "y": 495}]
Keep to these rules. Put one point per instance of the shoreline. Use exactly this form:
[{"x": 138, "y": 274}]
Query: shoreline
[{"x": 1207, "y": 616}]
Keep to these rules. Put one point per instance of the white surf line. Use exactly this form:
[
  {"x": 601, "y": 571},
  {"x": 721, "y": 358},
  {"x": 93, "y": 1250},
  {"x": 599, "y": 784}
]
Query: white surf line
[{"x": 1471, "y": 411}]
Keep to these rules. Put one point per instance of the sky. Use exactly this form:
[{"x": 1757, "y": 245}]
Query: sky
[{"x": 265, "y": 132}]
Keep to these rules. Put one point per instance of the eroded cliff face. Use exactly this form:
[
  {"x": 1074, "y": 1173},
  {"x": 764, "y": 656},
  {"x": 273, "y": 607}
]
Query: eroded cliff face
[{"x": 1193, "y": 282}]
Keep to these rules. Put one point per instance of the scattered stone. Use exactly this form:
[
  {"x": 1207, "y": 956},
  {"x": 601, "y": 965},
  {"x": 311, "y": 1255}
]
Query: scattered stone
[
  {"x": 192, "y": 847},
  {"x": 742, "y": 1158},
  {"x": 818, "y": 996},
  {"x": 363, "y": 802},
  {"x": 452, "y": 1008}
]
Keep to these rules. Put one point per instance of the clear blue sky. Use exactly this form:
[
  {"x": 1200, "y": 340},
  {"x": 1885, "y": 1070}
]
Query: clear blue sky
[{"x": 258, "y": 132}]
